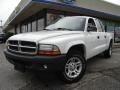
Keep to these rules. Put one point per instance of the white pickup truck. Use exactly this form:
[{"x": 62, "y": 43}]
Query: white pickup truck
[{"x": 63, "y": 47}]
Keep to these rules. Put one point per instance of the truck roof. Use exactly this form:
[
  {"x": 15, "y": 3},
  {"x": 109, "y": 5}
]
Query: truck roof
[{"x": 82, "y": 17}]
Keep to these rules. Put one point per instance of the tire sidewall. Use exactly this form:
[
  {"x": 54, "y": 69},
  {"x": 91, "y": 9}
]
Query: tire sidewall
[
  {"x": 108, "y": 53},
  {"x": 110, "y": 50}
]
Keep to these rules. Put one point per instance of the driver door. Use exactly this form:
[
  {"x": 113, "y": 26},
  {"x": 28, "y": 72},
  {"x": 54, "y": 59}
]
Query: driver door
[{"x": 92, "y": 38}]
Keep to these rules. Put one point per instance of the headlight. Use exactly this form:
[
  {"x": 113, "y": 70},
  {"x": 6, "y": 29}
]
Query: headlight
[{"x": 45, "y": 49}]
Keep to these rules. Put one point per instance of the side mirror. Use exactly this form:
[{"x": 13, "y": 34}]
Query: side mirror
[{"x": 91, "y": 29}]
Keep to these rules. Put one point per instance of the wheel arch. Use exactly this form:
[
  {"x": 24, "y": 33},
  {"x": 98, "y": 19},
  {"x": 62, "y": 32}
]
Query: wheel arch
[
  {"x": 78, "y": 47},
  {"x": 111, "y": 41}
]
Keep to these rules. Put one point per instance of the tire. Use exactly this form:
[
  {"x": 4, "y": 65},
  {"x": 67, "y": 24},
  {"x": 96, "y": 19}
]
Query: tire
[
  {"x": 108, "y": 53},
  {"x": 74, "y": 67}
]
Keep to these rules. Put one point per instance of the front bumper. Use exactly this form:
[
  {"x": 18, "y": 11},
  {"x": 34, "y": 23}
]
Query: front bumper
[{"x": 49, "y": 63}]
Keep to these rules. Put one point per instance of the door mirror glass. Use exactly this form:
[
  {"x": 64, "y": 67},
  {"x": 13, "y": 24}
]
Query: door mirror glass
[{"x": 92, "y": 29}]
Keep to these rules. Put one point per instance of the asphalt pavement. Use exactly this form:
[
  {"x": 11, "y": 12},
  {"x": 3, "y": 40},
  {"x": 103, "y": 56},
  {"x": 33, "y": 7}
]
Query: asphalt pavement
[{"x": 101, "y": 74}]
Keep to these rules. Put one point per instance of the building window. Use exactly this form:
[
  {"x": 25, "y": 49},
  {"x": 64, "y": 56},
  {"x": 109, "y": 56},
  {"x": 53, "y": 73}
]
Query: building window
[
  {"x": 40, "y": 24},
  {"x": 24, "y": 28},
  {"x": 29, "y": 27},
  {"x": 117, "y": 34},
  {"x": 110, "y": 28},
  {"x": 52, "y": 18},
  {"x": 33, "y": 26},
  {"x": 18, "y": 29}
]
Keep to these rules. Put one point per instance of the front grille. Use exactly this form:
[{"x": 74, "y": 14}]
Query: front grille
[
  {"x": 22, "y": 46},
  {"x": 26, "y": 43},
  {"x": 13, "y": 42},
  {"x": 14, "y": 48}
]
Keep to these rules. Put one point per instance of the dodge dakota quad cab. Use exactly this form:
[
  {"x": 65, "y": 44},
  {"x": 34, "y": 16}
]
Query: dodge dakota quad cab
[{"x": 63, "y": 47}]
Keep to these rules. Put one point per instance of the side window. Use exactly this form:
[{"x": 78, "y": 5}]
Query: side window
[
  {"x": 102, "y": 26},
  {"x": 98, "y": 25},
  {"x": 91, "y": 26}
]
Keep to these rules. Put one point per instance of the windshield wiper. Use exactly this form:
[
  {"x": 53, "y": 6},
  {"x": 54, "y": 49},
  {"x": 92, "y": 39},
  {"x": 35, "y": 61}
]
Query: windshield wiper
[
  {"x": 64, "y": 29},
  {"x": 58, "y": 29},
  {"x": 46, "y": 29}
]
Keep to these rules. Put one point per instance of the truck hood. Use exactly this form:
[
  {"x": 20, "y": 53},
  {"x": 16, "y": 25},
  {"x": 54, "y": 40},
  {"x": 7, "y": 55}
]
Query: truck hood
[{"x": 41, "y": 35}]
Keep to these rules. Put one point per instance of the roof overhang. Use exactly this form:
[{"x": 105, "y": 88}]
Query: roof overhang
[
  {"x": 76, "y": 9},
  {"x": 36, "y": 5}
]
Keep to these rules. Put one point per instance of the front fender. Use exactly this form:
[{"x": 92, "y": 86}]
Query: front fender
[{"x": 73, "y": 43}]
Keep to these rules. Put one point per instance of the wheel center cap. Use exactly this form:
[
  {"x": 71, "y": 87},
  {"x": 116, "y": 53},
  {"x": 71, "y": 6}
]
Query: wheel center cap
[{"x": 72, "y": 67}]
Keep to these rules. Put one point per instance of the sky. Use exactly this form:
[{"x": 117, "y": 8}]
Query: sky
[
  {"x": 117, "y": 2},
  {"x": 7, "y": 6}
]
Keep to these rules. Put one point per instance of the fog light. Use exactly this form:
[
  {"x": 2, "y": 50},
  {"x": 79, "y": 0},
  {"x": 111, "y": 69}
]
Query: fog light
[{"x": 45, "y": 66}]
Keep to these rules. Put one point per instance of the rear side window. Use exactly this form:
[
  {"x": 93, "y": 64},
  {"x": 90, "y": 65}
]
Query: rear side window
[
  {"x": 99, "y": 25},
  {"x": 102, "y": 26}
]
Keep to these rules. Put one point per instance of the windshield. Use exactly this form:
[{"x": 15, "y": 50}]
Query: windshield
[{"x": 68, "y": 23}]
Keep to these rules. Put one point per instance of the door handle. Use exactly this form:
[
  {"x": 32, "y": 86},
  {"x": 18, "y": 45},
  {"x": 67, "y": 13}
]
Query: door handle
[
  {"x": 104, "y": 36},
  {"x": 98, "y": 37}
]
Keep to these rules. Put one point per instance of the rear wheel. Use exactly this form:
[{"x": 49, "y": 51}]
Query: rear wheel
[
  {"x": 74, "y": 68},
  {"x": 108, "y": 53}
]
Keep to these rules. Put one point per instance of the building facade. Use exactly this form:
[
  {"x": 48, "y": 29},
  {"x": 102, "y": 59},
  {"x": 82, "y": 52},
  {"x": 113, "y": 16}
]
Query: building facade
[
  {"x": 34, "y": 15},
  {"x": 0, "y": 29}
]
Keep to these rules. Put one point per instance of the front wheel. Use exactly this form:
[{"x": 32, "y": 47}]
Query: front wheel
[{"x": 74, "y": 68}]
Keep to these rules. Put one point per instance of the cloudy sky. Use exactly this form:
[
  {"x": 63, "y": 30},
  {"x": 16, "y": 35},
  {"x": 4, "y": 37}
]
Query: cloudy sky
[
  {"x": 7, "y": 6},
  {"x": 117, "y": 2}
]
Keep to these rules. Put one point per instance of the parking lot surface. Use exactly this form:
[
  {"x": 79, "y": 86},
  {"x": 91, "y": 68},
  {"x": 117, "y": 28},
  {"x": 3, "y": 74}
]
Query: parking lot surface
[{"x": 101, "y": 74}]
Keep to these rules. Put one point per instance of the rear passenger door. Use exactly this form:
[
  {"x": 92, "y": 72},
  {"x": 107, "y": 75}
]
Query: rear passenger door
[{"x": 102, "y": 35}]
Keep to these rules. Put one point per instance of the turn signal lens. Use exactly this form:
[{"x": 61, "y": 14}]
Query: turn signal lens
[{"x": 51, "y": 53}]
